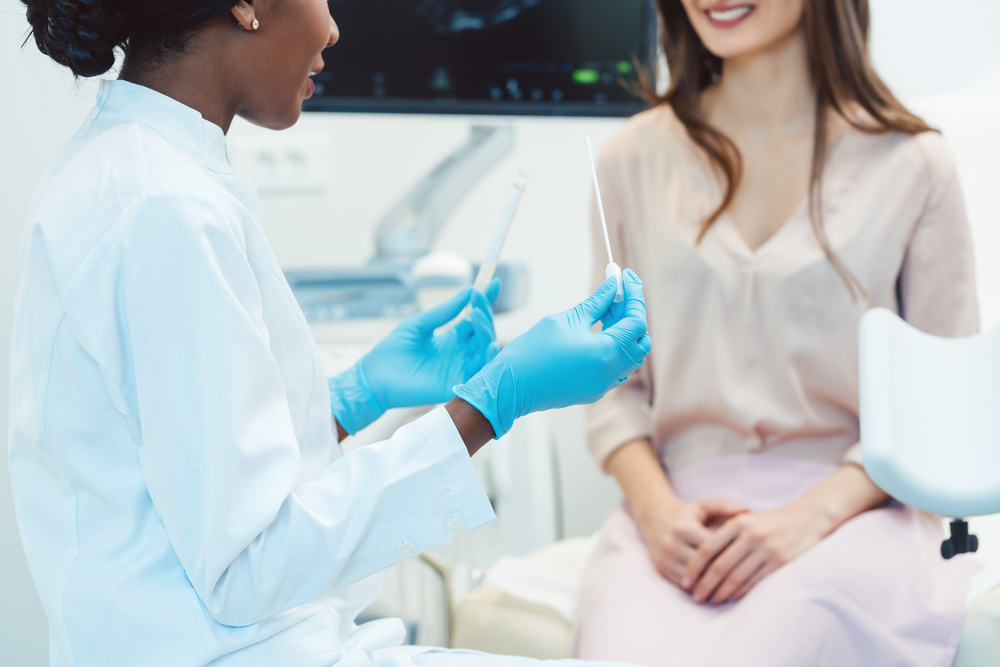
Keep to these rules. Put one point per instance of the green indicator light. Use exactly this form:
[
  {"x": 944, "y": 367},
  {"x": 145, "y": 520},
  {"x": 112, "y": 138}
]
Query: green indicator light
[
  {"x": 586, "y": 76},
  {"x": 624, "y": 67}
]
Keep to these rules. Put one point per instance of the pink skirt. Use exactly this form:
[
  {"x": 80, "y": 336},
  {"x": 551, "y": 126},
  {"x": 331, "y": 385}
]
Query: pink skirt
[{"x": 876, "y": 592}]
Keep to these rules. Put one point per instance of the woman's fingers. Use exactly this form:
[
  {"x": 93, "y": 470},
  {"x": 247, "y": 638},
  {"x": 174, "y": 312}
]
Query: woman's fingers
[
  {"x": 670, "y": 559},
  {"x": 716, "y": 508},
  {"x": 767, "y": 568},
  {"x": 715, "y": 511},
  {"x": 721, "y": 567},
  {"x": 739, "y": 575},
  {"x": 709, "y": 550},
  {"x": 694, "y": 534}
]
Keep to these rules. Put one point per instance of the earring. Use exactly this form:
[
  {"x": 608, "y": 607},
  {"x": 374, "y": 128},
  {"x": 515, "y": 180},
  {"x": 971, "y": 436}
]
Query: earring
[{"x": 256, "y": 24}]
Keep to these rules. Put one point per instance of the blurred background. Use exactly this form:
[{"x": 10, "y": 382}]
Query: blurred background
[{"x": 328, "y": 183}]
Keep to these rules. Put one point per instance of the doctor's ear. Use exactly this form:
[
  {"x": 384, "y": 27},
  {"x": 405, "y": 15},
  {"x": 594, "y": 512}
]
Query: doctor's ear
[{"x": 245, "y": 15}]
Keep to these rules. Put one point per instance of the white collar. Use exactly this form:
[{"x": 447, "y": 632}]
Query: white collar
[{"x": 181, "y": 125}]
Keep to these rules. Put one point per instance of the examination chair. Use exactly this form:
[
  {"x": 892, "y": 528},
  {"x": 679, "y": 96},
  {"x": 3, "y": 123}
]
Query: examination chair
[
  {"x": 930, "y": 438},
  {"x": 930, "y": 423}
]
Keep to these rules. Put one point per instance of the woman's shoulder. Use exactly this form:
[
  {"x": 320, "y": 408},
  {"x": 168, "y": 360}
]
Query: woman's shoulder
[
  {"x": 653, "y": 133},
  {"x": 924, "y": 155}
]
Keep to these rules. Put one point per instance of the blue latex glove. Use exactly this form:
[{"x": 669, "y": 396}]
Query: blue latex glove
[
  {"x": 559, "y": 362},
  {"x": 413, "y": 365}
]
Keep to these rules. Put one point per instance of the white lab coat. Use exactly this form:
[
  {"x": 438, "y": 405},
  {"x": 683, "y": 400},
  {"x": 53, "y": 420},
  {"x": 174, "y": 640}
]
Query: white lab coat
[{"x": 180, "y": 492}]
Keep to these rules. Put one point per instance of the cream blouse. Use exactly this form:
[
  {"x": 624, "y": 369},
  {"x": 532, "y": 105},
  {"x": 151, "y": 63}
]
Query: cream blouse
[{"x": 756, "y": 351}]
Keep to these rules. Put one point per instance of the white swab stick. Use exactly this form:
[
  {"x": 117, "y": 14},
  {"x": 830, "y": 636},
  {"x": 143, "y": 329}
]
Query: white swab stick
[
  {"x": 600, "y": 204},
  {"x": 612, "y": 268}
]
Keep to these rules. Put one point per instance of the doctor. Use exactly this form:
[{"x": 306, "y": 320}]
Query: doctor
[{"x": 178, "y": 484}]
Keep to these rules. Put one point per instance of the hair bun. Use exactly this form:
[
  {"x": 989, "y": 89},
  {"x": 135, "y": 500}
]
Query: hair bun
[{"x": 80, "y": 34}]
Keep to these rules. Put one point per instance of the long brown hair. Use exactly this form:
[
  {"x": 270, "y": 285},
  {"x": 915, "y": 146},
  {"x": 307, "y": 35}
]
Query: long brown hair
[{"x": 837, "y": 33}]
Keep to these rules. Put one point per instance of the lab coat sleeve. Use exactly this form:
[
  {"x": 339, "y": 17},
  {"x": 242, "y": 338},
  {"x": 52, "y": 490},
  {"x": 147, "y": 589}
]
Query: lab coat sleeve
[
  {"x": 218, "y": 449},
  {"x": 625, "y": 413}
]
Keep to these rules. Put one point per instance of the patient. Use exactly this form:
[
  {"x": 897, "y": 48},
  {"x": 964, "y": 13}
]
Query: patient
[{"x": 771, "y": 196}]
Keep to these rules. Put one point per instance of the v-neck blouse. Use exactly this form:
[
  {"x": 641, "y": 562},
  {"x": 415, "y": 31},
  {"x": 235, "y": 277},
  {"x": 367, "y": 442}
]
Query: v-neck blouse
[{"x": 755, "y": 351}]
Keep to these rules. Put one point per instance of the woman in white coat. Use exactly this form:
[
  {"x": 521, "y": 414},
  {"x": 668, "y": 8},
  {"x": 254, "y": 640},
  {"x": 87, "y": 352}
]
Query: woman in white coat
[{"x": 179, "y": 488}]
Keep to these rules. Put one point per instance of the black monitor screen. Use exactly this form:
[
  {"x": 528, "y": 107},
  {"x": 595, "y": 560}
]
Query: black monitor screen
[{"x": 533, "y": 57}]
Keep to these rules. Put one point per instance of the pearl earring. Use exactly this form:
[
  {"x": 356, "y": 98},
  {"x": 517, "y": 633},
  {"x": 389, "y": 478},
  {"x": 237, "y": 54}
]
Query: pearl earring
[{"x": 256, "y": 24}]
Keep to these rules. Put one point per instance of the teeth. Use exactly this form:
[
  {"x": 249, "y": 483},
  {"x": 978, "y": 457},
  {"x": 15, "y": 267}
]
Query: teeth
[{"x": 729, "y": 14}]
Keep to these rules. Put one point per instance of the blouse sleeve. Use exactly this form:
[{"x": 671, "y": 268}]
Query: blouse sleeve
[
  {"x": 937, "y": 282},
  {"x": 219, "y": 451},
  {"x": 624, "y": 414}
]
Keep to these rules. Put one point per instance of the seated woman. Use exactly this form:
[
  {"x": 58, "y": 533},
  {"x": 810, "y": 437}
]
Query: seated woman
[{"x": 773, "y": 194}]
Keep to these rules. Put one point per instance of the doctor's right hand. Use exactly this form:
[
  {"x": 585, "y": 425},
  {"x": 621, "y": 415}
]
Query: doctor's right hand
[
  {"x": 559, "y": 362},
  {"x": 419, "y": 362}
]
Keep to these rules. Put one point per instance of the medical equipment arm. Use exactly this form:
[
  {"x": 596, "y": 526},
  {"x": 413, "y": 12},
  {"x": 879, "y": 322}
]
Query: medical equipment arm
[
  {"x": 220, "y": 452},
  {"x": 559, "y": 362},
  {"x": 415, "y": 366}
]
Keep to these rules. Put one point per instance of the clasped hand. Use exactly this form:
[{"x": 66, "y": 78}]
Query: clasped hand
[
  {"x": 413, "y": 365},
  {"x": 724, "y": 564}
]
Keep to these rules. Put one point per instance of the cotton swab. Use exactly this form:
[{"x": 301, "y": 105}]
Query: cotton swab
[{"x": 612, "y": 268}]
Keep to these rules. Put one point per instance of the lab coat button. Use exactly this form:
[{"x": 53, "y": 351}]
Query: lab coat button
[
  {"x": 408, "y": 549},
  {"x": 456, "y": 527}
]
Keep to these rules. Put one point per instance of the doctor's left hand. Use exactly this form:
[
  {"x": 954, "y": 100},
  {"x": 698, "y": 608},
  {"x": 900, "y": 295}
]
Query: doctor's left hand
[{"x": 413, "y": 365}]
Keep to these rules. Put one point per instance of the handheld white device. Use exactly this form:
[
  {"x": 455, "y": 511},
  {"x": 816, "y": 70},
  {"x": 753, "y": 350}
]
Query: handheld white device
[
  {"x": 612, "y": 268},
  {"x": 489, "y": 265}
]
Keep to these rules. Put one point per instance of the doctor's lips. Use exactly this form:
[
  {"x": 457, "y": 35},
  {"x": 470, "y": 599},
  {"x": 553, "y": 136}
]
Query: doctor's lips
[
  {"x": 312, "y": 84},
  {"x": 727, "y": 17}
]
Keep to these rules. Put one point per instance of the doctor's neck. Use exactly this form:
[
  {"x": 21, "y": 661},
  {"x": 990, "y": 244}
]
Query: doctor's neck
[{"x": 213, "y": 91}]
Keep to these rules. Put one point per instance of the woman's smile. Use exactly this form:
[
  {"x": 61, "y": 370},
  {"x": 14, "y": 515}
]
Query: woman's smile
[{"x": 727, "y": 17}]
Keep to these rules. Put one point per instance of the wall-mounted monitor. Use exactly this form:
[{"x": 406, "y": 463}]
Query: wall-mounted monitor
[{"x": 494, "y": 57}]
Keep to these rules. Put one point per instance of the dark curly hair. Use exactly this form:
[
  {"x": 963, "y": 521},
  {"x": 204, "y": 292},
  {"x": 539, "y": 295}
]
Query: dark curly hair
[{"x": 83, "y": 34}]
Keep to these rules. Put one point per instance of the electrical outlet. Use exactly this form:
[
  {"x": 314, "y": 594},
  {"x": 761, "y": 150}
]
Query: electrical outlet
[{"x": 286, "y": 163}]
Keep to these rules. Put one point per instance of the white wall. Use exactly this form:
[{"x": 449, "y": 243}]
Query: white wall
[{"x": 925, "y": 53}]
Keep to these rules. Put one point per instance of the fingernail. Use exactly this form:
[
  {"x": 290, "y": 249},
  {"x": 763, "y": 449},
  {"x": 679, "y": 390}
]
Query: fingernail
[{"x": 686, "y": 582}]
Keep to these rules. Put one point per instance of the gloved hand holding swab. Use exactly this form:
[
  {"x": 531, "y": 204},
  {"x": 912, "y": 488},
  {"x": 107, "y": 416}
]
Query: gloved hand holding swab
[{"x": 612, "y": 268}]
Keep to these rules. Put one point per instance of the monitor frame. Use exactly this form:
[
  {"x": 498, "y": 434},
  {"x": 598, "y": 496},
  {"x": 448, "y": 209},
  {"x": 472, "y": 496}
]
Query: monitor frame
[{"x": 649, "y": 46}]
